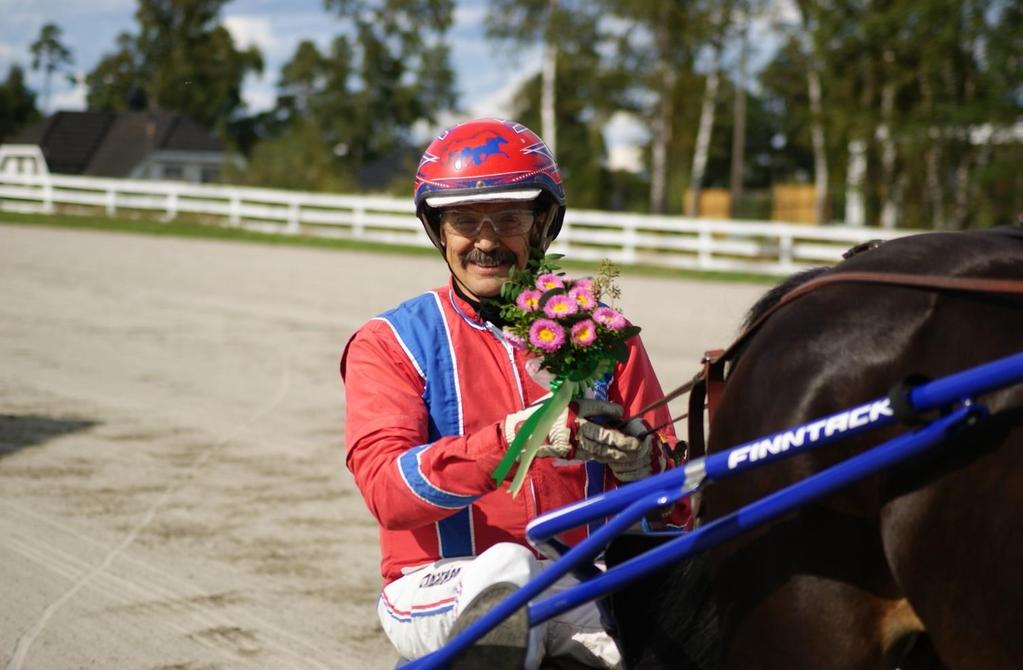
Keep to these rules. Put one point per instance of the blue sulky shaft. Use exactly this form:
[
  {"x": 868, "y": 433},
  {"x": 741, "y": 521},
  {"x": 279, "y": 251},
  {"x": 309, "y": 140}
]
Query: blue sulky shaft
[
  {"x": 969, "y": 383},
  {"x": 633, "y": 501},
  {"x": 755, "y": 514},
  {"x": 823, "y": 431}
]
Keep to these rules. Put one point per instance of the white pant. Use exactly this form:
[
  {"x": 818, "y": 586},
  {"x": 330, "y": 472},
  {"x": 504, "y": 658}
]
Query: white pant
[{"x": 418, "y": 610}]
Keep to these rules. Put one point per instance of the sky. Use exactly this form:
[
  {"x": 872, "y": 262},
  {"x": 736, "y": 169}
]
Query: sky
[{"x": 487, "y": 74}]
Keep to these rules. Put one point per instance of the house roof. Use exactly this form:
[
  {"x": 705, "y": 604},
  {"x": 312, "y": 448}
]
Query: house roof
[{"x": 112, "y": 144}]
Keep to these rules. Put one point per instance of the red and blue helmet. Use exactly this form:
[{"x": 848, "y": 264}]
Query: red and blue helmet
[{"x": 489, "y": 160}]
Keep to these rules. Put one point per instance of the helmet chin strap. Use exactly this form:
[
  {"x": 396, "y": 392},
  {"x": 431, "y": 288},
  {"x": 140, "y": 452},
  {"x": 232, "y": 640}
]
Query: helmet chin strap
[{"x": 465, "y": 290}]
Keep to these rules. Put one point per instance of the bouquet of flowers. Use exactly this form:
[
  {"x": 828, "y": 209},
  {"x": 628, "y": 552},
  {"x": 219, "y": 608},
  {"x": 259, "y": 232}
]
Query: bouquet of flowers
[{"x": 578, "y": 341}]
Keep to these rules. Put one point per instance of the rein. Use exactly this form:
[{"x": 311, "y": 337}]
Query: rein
[{"x": 708, "y": 384}]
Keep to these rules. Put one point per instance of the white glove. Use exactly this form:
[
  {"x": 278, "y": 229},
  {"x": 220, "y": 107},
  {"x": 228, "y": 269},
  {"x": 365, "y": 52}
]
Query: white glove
[
  {"x": 574, "y": 437},
  {"x": 560, "y": 441}
]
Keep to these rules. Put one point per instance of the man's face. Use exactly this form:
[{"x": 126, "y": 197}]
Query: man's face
[{"x": 480, "y": 259}]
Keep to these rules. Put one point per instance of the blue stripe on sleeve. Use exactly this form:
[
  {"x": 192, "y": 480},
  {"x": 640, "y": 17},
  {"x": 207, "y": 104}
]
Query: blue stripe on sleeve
[{"x": 413, "y": 475}]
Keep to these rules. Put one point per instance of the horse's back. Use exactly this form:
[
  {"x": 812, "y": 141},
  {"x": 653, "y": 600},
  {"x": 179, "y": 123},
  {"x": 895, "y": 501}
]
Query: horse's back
[{"x": 940, "y": 533}]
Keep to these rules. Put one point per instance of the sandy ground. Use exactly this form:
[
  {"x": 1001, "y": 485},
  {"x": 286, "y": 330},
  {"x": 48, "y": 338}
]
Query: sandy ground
[{"x": 172, "y": 484}]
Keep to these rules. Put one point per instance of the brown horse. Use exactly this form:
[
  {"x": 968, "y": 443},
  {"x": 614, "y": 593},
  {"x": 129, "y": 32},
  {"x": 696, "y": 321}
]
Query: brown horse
[{"x": 920, "y": 566}]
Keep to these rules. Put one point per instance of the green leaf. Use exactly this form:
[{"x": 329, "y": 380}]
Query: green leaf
[
  {"x": 620, "y": 351},
  {"x": 584, "y": 371}
]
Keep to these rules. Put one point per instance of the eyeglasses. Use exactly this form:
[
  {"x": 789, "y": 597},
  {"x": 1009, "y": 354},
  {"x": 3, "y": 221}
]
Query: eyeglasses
[{"x": 505, "y": 222}]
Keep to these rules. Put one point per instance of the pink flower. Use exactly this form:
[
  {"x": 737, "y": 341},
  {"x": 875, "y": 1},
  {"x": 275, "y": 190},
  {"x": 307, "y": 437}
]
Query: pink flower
[
  {"x": 548, "y": 281},
  {"x": 584, "y": 333},
  {"x": 546, "y": 335},
  {"x": 585, "y": 284},
  {"x": 609, "y": 318},
  {"x": 528, "y": 301},
  {"x": 560, "y": 306},
  {"x": 582, "y": 297},
  {"x": 514, "y": 340}
]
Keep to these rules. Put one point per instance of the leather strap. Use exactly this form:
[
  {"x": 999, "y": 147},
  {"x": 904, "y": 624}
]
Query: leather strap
[{"x": 709, "y": 383}]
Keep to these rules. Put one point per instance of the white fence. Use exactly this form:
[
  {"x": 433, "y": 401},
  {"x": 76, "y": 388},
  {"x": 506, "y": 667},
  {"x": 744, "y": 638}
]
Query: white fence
[{"x": 668, "y": 241}]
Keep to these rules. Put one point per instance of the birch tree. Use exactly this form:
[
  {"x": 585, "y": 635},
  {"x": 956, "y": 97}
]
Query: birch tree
[
  {"x": 523, "y": 23},
  {"x": 719, "y": 28},
  {"x": 814, "y": 66},
  {"x": 658, "y": 46}
]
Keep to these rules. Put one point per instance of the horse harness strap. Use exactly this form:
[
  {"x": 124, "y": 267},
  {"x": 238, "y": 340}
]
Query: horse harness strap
[{"x": 708, "y": 385}]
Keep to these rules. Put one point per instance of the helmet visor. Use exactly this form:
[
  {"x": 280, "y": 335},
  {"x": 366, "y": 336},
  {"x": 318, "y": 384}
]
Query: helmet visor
[{"x": 493, "y": 196}]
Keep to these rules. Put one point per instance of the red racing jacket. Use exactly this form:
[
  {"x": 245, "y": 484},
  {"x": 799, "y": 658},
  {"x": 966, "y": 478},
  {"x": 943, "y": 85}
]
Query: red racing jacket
[{"x": 428, "y": 385}]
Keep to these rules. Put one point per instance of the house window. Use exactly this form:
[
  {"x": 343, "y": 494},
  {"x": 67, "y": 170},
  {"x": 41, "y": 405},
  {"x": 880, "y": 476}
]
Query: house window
[
  {"x": 173, "y": 171},
  {"x": 209, "y": 173}
]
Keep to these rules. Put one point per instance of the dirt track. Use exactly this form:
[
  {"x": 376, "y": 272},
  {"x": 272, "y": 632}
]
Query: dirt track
[{"x": 172, "y": 483}]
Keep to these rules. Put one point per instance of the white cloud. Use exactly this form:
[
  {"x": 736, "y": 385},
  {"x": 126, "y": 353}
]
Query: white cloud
[
  {"x": 625, "y": 134},
  {"x": 469, "y": 16},
  {"x": 498, "y": 102},
  {"x": 69, "y": 98},
  {"x": 783, "y": 11},
  {"x": 625, "y": 128},
  {"x": 59, "y": 10},
  {"x": 247, "y": 31},
  {"x": 9, "y": 54},
  {"x": 625, "y": 157},
  {"x": 258, "y": 94}
]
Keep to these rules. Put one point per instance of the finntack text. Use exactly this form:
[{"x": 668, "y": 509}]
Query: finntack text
[{"x": 811, "y": 432}]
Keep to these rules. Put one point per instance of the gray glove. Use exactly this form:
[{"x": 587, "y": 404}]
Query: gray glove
[{"x": 631, "y": 451}]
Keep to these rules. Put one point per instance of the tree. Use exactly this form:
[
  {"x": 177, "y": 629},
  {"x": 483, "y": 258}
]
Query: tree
[
  {"x": 51, "y": 56},
  {"x": 587, "y": 90},
  {"x": 653, "y": 46},
  {"x": 582, "y": 151},
  {"x": 111, "y": 83},
  {"x": 300, "y": 143},
  {"x": 182, "y": 60},
  {"x": 718, "y": 30},
  {"x": 917, "y": 91},
  {"x": 17, "y": 103},
  {"x": 523, "y": 23},
  {"x": 396, "y": 73},
  {"x": 811, "y": 53},
  {"x": 354, "y": 106},
  {"x": 302, "y": 80}
]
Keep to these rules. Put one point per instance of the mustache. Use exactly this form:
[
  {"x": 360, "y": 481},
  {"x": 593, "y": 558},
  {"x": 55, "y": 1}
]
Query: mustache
[{"x": 488, "y": 258}]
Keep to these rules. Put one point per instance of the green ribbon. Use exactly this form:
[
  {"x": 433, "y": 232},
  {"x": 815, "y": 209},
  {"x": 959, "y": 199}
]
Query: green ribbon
[
  {"x": 534, "y": 430},
  {"x": 545, "y": 418}
]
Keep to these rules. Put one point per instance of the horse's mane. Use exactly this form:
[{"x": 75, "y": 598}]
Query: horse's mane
[{"x": 775, "y": 294}]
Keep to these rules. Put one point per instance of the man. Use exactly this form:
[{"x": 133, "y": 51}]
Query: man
[{"x": 435, "y": 395}]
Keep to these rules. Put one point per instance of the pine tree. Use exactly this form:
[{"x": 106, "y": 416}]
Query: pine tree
[
  {"x": 51, "y": 56},
  {"x": 17, "y": 102}
]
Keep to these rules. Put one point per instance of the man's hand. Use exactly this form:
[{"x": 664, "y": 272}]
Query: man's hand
[{"x": 627, "y": 451}]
